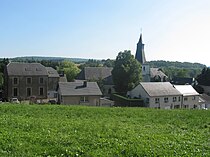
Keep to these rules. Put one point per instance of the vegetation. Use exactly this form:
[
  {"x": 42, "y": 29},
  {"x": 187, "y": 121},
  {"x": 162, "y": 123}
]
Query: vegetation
[
  {"x": 3, "y": 63},
  {"x": 35, "y": 130},
  {"x": 70, "y": 69},
  {"x": 204, "y": 77},
  {"x": 126, "y": 73},
  {"x": 178, "y": 69}
]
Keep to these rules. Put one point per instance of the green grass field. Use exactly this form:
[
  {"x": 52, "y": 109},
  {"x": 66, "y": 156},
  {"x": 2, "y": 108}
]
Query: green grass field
[{"x": 51, "y": 130}]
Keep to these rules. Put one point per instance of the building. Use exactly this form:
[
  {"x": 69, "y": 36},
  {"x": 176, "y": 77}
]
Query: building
[
  {"x": 157, "y": 95},
  {"x": 148, "y": 74},
  {"x": 183, "y": 81},
  {"x": 79, "y": 93},
  {"x": 53, "y": 79},
  {"x": 103, "y": 75},
  {"x": 190, "y": 98},
  {"x": 24, "y": 80}
]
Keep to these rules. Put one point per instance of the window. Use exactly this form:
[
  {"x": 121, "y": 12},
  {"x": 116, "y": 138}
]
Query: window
[
  {"x": 84, "y": 99},
  {"x": 157, "y": 100},
  {"x": 15, "y": 81},
  {"x": 28, "y": 92},
  {"x": 165, "y": 100},
  {"x": 15, "y": 92},
  {"x": 110, "y": 91},
  {"x": 41, "y": 80},
  {"x": 147, "y": 100},
  {"x": 193, "y": 98},
  {"x": 176, "y": 106},
  {"x": 186, "y": 106},
  {"x": 41, "y": 91},
  {"x": 28, "y": 80},
  {"x": 174, "y": 99},
  {"x": 179, "y": 98},
  {"x": 185, "y": 99}
]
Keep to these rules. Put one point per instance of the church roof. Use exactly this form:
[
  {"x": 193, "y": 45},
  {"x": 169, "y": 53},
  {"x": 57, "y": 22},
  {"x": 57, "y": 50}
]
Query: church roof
[
  {"x": 156, "y": 72},
  {"x": 140, "y": 56}
]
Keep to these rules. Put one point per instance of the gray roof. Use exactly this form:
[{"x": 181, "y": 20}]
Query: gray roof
[
  {"x": 78, "y": 89},
  {"x": 90, "y": 73},
  {"x": 26, "y": 69},
  {"x": 159, "y": 89},
  {"x": 52, "y": 72},
  {"x": 157, "y": 72},
  {"x": 186, "y": 90}
]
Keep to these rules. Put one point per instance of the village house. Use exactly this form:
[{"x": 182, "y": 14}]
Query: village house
[
  {"x": 190, "y": 98},
  {"x": 79, "y": 93},
  {"x": 157, "y": 95},
  {"x": 26, "y": 80},
  {"x": 103, "y": 75}
]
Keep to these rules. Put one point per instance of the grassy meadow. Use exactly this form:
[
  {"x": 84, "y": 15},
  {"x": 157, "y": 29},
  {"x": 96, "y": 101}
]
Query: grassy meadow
[{"x": 53, "y": 130}]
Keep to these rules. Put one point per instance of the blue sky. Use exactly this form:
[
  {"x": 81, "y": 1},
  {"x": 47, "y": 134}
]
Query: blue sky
[{"x": 174, "y": 30}]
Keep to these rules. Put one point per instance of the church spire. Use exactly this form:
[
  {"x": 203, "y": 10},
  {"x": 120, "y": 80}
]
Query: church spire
[{"x": 140, "y": 56}]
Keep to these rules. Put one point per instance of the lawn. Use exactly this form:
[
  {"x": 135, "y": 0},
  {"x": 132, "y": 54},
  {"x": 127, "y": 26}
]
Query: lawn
[{"x": 53, "y": 130}]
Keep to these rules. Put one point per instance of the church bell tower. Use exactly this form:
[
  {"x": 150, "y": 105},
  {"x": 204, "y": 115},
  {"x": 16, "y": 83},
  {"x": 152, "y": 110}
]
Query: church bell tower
[{"x": 140, "y": 56}]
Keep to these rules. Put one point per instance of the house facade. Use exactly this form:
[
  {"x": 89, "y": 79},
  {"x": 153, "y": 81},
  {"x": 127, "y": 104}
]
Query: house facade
[
  {"x": 79, "y": 93},
  {"x": 24, "y": 80},
  {"x": 190, "y": 98},
  {"x": 157, "y": 95}
]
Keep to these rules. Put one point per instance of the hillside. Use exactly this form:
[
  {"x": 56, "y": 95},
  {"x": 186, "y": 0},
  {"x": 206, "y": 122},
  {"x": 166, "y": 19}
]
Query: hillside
[
  {"x": 40, "y": 58},
  {"x": 36, "y": 130},
  {"x": 171, "y": 64}
]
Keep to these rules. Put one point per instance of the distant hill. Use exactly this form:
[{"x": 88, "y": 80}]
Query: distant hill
[
  {"x": 40, "y": 58},
  {"x": 181, "y": 65}
]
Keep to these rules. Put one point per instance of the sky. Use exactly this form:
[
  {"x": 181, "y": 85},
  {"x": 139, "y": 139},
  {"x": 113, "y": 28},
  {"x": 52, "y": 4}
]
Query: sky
[{"x": 173, "y": 30}]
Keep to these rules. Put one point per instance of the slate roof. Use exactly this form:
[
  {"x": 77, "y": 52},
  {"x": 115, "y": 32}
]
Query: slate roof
[
  {"x": 182, "y": 80},
  {"x": 77, "y": 89},
  {"x": 52, "y": 72},
  {"x": 159, "y": 89},
  {"x": 96, "y": 73},
  {"x": 26, "y": 69},
  {"x": 205, "y": 97},
  {"x": 186, "y": 90},
  {"x": 156, "y": 72}
]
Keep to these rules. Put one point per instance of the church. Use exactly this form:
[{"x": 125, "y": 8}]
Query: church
[{"x": 148, "y": 74}]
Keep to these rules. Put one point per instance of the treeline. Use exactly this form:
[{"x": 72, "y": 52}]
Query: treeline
[
  {"x": 178, "y": 69},
  {"x": 182, "y": 65}
]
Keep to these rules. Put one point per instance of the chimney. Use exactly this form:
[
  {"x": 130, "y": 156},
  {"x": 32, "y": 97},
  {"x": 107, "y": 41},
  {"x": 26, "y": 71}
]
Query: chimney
[{"x": 85, "y": 84}]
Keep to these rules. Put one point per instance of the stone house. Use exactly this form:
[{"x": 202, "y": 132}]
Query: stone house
[
  {"x": 79, "y": 93},
  {"x": 24, "y": 80}
]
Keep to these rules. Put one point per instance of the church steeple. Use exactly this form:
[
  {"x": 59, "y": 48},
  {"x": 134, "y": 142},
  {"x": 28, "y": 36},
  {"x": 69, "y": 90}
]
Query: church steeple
[{"x": 140, "y": 56}]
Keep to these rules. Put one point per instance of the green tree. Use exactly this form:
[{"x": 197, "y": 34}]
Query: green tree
[
  {"x": 126, "y": 72},
  {"x": 204, "y": 77},
  {"x": 108, "y": 63},
  {"x": 70, "y": 69}
]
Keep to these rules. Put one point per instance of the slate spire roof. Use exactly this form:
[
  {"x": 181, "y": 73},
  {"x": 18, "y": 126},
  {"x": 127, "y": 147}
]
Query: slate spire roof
[{"x": 140, "y": 55}]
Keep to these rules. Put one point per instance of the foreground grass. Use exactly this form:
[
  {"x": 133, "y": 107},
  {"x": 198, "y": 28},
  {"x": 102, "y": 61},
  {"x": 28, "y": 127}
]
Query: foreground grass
[{"x": 31, "y": 130}]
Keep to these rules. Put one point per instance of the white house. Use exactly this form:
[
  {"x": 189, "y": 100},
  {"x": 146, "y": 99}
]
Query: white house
[
  {"x": 190, "y": 97},
  {"x": 157, "y": 95}
]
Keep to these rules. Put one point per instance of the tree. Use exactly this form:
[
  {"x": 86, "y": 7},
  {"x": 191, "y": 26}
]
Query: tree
[
  {"x": 204, "y": 77},
  {"x": 108, "y": 63},
  {"x": 70, "y": 69},
  {"x": 91, "y": 63},
  {"x": 126, "y": 72}
]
